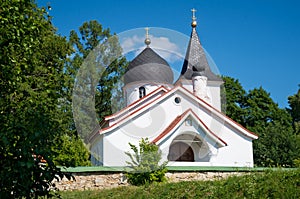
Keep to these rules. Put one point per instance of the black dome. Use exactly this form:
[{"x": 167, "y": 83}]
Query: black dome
[{"x": 148, "y": 66}]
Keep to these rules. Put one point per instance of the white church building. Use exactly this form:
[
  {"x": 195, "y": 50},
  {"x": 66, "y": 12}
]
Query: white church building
[{"x": 183, "y": 119}]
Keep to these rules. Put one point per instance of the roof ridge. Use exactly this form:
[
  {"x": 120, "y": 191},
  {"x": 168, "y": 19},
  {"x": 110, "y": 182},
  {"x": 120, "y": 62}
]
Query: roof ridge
[
  {"x": 219, "y": 112},
  {"x": 204, "y": 105},
  {"x": 160, "y": 88},
  {"x": 173, "y": 123}
]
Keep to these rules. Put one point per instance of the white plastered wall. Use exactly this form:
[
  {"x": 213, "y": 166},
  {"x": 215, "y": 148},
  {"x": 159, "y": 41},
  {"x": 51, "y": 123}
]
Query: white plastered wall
[
  {"x": 132, "y": 90},
  {"x": 153, "y": 121}
]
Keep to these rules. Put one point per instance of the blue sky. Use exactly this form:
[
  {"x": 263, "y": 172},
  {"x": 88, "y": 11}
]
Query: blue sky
[{"x": 255, "y": 41}]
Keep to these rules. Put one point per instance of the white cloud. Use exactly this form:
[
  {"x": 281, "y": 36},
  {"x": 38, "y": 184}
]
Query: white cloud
[
  {"x": 162, "y": 45},
  {"x": 131, "y": 43}
]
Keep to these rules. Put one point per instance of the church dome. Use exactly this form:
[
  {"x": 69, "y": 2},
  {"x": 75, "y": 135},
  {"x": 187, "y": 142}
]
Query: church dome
[{"x": 148, "y": 66}]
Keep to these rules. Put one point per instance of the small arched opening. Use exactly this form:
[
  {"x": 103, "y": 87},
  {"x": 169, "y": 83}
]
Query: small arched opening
[
  {"x": 142, "y": 91},
  {"x": 180, "y": 151},
  {"x": 189, "y": 147}
]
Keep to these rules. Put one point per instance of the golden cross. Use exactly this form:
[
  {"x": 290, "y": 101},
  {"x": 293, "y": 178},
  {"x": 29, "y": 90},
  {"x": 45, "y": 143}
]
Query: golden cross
[
  {"x": 193, "y": 11},
  {"x": 147, "y": 32}
]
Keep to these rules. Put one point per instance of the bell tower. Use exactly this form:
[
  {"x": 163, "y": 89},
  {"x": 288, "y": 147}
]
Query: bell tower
[{"x": 196, "y": 75}]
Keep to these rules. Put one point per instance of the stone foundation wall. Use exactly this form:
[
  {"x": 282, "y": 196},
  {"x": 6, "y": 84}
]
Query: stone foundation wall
[{"x": 90, "y": 181}]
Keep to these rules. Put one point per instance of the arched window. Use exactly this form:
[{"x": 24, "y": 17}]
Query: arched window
[{"x": 142, "y": 91}]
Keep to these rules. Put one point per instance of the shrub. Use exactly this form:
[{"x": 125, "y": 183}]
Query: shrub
[
  {"x": 297, "y": 162},
  {"x": 71, "y": 152},
  {"x": 144, "y": 165}
]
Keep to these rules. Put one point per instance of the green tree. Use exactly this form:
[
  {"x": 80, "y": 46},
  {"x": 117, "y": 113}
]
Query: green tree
[
  {"x": 32, "y": 99},
  {"x": 145, "y": 164},
  {"x": 233, "y": 98},
  {"x": 108, "y": 85},
  {"x": 294, "y": 110},
  {"x": 294, "y": 103},
  {"x": 100, "y": 66},
  {"x": 276, "y": 145}
]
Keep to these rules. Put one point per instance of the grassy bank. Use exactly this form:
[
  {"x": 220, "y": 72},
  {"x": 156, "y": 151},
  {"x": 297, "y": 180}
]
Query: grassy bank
[{"x": 267, "y": 184}]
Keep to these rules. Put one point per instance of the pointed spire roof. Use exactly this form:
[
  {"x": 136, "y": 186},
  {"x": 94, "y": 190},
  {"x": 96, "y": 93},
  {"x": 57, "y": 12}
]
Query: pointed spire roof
[{"x": 195, "y": 62}]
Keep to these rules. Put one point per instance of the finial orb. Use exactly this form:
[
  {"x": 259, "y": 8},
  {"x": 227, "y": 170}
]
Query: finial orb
[
  {"x": 147, "y": 41},
  {"x": 194, "y": 24}
]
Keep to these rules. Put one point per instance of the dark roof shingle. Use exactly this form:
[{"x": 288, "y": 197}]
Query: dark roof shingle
[{"x": 148, "y": 66}]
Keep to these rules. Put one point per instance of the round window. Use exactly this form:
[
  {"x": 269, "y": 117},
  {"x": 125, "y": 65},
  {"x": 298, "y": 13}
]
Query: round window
[{"x": 177, "y": 100}]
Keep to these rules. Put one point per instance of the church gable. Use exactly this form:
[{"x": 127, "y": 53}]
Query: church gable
[
  {"x": 189, "y": 120},
  {"x": 188, "y": 139},
  {"x": 176, "y": 101}
]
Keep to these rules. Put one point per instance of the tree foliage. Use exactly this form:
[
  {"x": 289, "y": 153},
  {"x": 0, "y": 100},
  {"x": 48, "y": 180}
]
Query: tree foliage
[
  {"x": 145, "y": 164},
  {"x": 71, "y": 152},
  {"x": 255, "y": 109},
  {"x": 294, "y": 110},
  {"x": 106, "y": 74},
  {"x": 233, "y": 98},
  {"x": 32, "y": 105},
  {"x": 294, "y": 102}
]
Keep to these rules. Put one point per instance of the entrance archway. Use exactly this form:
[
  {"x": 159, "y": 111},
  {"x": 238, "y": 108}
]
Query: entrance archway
[{"x": 180, "y": 151}]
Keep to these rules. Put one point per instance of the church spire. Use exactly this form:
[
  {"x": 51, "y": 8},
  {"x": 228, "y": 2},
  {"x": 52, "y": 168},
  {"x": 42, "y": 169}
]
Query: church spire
[{"x": 195, "y": 59}]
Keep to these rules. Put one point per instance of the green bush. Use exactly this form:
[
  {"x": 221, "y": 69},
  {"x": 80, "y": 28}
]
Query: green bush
[
  {"x": 144, "y": 165},
  {"x": 297, "y": 162},
  {"x": 71, "y": 152}
]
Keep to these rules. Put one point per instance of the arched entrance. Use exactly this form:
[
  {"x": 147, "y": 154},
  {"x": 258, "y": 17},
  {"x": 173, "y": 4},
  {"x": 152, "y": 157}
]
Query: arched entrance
[{"x": 180, "y": 151}]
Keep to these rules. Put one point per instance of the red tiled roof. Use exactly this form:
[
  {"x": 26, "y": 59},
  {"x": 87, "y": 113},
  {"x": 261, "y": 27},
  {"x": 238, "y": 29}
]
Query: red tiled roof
[
  {"x": 170, "y": 127},
  {"x": 132, "y": 105},
  {"x": 219, "y": 112},
  {"x": 132, "y": 113}
]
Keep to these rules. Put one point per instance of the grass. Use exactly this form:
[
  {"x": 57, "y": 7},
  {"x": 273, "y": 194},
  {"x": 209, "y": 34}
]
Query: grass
[{"x": 267, "y": 184}]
